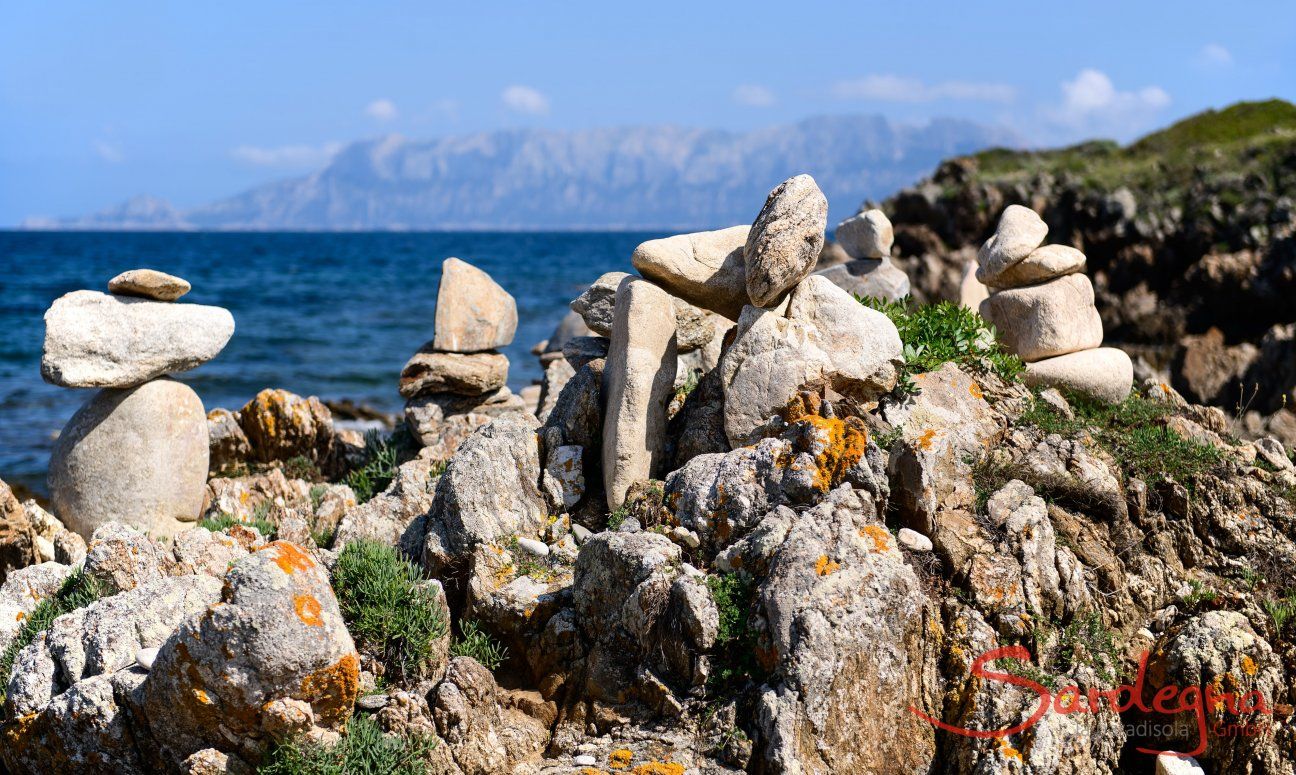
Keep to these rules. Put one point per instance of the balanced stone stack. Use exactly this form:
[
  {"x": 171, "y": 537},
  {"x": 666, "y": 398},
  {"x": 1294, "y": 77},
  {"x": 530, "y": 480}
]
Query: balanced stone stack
[
  {"x": 1042, "y": 304},
  {"x": 867, "y": 238},
  {"x": 137, "y": 451},
  {"x": 791, "y": 332},
  {"x": 457, "y": 382}
]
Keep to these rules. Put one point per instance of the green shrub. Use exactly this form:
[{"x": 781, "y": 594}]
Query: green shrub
[
  {"x": 1198, "y": 593},
  {"x": 78, "y": 590},
  {"x": 617, "y": 517},
  {"x": 735, "y": 649},
  {"x": 364, "y": 750},
  {"x": 935, "y": 334},
  {"x": 383, "y": 456},
  {"x": 387, "y": 608},
  {"x": 301, "y": 467},
  {"x": 478, "y": 644},
  {"x": 259, "y": 521}
]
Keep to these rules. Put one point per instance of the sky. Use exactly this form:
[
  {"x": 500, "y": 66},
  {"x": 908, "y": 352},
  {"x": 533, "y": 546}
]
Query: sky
[{"x": 192, "y": 102}]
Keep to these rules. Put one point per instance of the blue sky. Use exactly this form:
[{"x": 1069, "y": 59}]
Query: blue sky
[{"x": 194, "y": 101}]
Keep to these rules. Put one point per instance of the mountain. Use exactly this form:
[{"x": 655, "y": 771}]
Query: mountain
[{"x": 628, "y": 177}]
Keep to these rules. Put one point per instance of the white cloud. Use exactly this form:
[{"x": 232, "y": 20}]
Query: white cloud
[
  {"x": 896, "y": 88},
  {"x": 524, "y": 99},
  {"x": 1215, "y": 55},
  {"x": 753, "y": 96},
  {"x": 286, "y": 155},
  {"x": 382, "y": 110},
  {"x": 108, "y": 151},
  {"x": 1091, "y": 103}
]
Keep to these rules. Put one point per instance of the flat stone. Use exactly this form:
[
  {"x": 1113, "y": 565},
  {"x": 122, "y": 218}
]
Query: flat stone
[
  {"x": 467, "y": 374},
  {"x": 1105, "y": 373},
  {"x": 913, "y": 540},
  {"x": 876, "y": 277},
  {"x": 638, "y": 382},
  {"x": 93, "y": 339},
  {"x": 704, "y": 268},
  {"x": 1020, "y": 231},
  {"x": 1043, "y": 264},
  {"x": 1043, "y": 321},
  {"x": 784, "y": 243},
  {"x": 473, "y": 313},
  {"x": 137, "y": 456},
  {"x": 150, "y": 284},
  {"x": 866, "y": 235}
]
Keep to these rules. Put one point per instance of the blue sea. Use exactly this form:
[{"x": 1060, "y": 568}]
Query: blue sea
[{"x": 331, "y": 315}]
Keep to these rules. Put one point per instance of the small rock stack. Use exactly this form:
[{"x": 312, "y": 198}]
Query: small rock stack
[
  {"x": 867, "y": 238},
  {"x": 457, "y": 382},
  {"x": 1042, "y": 304},
  {"x": 137, "y": 451}
]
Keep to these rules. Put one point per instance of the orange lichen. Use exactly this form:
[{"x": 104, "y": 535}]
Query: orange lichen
[
  {"x": 308, "y": 610},
  {"x": 1248, "y": 665},
  {"x": 925, "y": 440},
  {"x": 659, "y": 768},
  {"x": 879, "y": 536},
  {"x": 824, "y": 566},
  {"x": 21, "y": 615},
  {"x": 591, "y": 771},
  {"x": 289, "y": 557},
  {"x": 975, "y": 390},
  {"x": 620, "y": 758},
  {"x": 202, "y": 696},
  {"x": 332, "y": 690},
  {"x": 1008, "y": 751}
]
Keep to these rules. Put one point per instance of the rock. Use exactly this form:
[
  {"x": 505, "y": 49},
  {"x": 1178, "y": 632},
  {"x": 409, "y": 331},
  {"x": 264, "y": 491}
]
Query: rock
[
  {"x": 556, "y": 375},
  {"x": 490, "y": 489},
  {"x": 278, "y": 635},
  {"x": 481, "y": 734},
  {"x": 867, "y": 234},
  {"x": 698, "y": 428},
  {"x": 530, "y": 396},
  {"x": 1105, "y": 373},
  {"x": 637, "y": 384},
  {"x": 96, "y": 340},
  {"x": 473, "y": 313},
  {"x": 913, "y": 540},
  {"x": 137, "y": 455},
  {"x": 1272, "y": 452},
  {"x": 704, "y": 268},
  {"x": 396, "y": 516},
  {"x": 22, "y": 591},
  {"x": 878, "y": 278},
  {"x": 1042, "y": 321},
  {"x": 472, "y": 374},
  {"x": 533, "y": 547},
  {"x": 200, "y": 551},
  {"x": 971, "y": 290},
  {"x": 564, "y": 476},
  {"x": 1209, "y": 371},
  {"x": 150, "y": 284},
  {"x": 850, "y": 634},
  {"x": 146, "y": 657},
  {"x": 227, "y": 443},
  {"x": 597, "y": 304},
  {"x": 571, "y": 326},
  {"x": 785, "y": 239},
  {"x": 1177, "y": 764},
  {"x": 122, "y": 559},
  {"x": 441, "y": 421},
  {"x": 942, "y": 426},
  {"x": 577, "y": 416},
  {"x": 581, "y": 533},
  {"x": 583, "y": 349},
  {"x": 825, "y": 338},
  {"x": 1042, "y": 264},
  {"x": 1020, "y": 231},
  {"x": 280, "y": 426},
  {"x": 17, "y": 536},
  {"x": 1052, "y": 579}
]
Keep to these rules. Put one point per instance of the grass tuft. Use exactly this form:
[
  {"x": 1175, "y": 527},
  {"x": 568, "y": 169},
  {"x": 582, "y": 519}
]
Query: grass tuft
[
  {"x": 387, "y": 607},
  {"x": 365, "y": 749},
  {"x": 383, "y": 457},
  {"x": 477, "y": 643},
  {"x": 735, "y": 647},
  {"x": 78, "y": 590}
]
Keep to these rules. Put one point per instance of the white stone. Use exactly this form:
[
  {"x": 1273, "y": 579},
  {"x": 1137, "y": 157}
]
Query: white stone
[
  {"x": 532, "y": 546},
  {"x": 473, "y": 313},
  {"x": 913, "y": 540},
  {"x": 580, "y": 533},
  {"x": 93, "y": 339},
  {"x": 1043, "y": 264},
  {"x": 1020, "y": 231},
  {"x": 584, "y": 760},
  {"x": 1042, "y": 321},
  {"x": 1177, "y": 764},
  {"x": 145, "y": 657},
  {"x": 150, "y": 284},
  {"x": 866, "y": 235},
  {"x": 971, "y": 290},
  {"x": 1105, "y": 373},
  {"x": 704, "y": 268}
]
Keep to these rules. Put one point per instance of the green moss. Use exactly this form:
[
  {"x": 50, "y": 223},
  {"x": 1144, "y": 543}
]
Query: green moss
[
  {"x": 365, "y": 749},
  {"x": 477, "y": 643},
  {"x": 936, "y": 334},
  {"x": 387, "y": 606},
  {"x": 78, "y": 590}
]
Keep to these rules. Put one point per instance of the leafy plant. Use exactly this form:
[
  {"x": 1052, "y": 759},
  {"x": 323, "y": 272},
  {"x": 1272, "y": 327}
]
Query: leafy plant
[
  {"x": 1198, "y": 593},
  {"x": 383, "y": 457},
  {"x": 388, "y": 607},
  {"x": 478, "y": 644},
  {"x": 1083, "y": 642},
  {"x": 301, "y": 467},
  {"x": 735, "y": 647},
  {"x": 936, "y": 334},
  {"x": 317, "y": 493},
  {"x": 259, "y": 520},
  {"x": 365, "y": 750},
  {"x": 1279, "y": 610},
  {"x": 617, "y": 517},
  {"x": 78, "y": 590}
]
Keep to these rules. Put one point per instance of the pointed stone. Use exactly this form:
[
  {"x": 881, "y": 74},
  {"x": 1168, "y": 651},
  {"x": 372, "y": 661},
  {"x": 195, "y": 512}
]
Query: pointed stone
[{"x": 473, "y": 313}]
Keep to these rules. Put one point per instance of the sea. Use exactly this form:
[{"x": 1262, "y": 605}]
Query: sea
[{"x": 334, "y": 315}]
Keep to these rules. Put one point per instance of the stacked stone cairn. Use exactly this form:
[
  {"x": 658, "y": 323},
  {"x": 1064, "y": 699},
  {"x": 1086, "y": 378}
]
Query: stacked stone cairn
[
  {"x": 748, "y": 287},
  {"x": 137, "y": 451},
  {"x": 867, "y": 238},
  {"x": 457, "y": 382},
  {"x": 1042, "y": 305}
]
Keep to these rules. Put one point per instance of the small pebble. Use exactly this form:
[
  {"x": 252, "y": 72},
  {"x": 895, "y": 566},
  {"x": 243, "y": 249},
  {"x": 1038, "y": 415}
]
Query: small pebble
[
  {"x": 914, "y": 541},
  {"x": 581, "y": 532},
  {"x": 532, "y": 546},
  {"x": 145, "y": 658},
  {"x": 148, "y": 284},
  {"x": 585, "y": 760},
  {"x": 372, "y": 701}
]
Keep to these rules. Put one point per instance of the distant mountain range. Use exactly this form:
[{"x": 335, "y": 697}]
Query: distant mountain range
[{"x": 645, "y": 177}]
